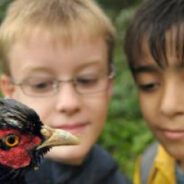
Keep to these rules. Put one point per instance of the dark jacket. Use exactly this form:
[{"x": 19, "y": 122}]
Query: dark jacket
[{"x": 98, "y": 168}]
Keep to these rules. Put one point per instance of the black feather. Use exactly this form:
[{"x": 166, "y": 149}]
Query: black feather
[{"x": 17, "y": 115}]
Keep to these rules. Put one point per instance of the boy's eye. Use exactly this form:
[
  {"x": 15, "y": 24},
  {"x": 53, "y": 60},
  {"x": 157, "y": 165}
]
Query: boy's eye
[
  {"x": 86, "y": 81},
  {"x": 149, "y": 87},
  {"x": 41, "y": 86}
]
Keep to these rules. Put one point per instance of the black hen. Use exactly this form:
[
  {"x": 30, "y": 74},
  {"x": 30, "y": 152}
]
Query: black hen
[{"x": 24, "y": 140}]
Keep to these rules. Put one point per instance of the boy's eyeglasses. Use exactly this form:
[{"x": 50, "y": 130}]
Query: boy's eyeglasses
[{"x": 84, "y": 85}]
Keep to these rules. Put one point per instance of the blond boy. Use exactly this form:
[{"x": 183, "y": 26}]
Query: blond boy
[{"x": 57, "y": 58}]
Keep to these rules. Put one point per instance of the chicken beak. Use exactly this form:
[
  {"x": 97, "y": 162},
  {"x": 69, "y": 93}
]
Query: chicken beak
[{"x": 57, "y": 137}]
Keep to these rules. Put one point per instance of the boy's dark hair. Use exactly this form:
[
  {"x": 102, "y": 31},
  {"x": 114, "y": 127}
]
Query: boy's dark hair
[{"x": 158, "y": 27}]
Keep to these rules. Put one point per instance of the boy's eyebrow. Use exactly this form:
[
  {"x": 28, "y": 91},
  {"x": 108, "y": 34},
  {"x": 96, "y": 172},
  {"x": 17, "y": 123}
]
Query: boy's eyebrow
[{"x": 145, "y": 69}]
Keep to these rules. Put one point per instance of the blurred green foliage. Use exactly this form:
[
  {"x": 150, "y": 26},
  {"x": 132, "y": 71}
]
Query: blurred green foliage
[
  {"x": 125, "y": 134},
  {"x": 3, "y": 5}
]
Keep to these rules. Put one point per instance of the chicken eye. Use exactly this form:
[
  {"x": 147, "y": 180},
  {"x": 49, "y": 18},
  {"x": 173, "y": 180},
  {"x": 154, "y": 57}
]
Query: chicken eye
[{"x": 11, "y": 140}]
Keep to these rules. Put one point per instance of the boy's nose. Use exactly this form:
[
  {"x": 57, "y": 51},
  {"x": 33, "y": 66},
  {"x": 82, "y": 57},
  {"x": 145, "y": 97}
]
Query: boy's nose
[
  {"x": 68, "y": 100},
  {"x": 172, "y": 100}
]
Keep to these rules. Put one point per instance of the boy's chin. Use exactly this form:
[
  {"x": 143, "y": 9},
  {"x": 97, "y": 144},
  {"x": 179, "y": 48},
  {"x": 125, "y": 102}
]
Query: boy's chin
[
  {"x": 176, "y": 150},
  {"x": 73, "y": 155}
]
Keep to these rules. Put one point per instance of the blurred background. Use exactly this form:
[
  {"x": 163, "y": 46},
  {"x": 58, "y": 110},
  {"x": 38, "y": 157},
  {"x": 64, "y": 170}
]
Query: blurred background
[{"x": 125, "y": 135}]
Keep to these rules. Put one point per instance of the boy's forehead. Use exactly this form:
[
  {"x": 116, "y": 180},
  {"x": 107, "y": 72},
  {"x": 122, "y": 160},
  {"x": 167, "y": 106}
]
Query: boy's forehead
[
  {"x": 68, "y": 37},
  {"x": 43, "y": 46},
  {"x": 143, "y": 56}
]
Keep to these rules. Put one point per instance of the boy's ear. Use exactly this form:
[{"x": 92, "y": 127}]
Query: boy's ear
[{"x": 6, "y": 86}]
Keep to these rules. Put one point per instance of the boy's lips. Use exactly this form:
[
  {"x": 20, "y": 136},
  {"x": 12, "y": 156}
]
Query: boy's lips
[
  {"x": 173, "y": 134},
  {"x": 74, "y": 127}
]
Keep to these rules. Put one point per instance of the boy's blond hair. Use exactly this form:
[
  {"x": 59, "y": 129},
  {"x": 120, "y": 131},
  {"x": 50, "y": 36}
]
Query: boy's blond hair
[{"x": 65, "y": 19}]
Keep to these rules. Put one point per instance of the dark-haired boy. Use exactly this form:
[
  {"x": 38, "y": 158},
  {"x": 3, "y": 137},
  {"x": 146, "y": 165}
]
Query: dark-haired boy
[{"x": 155, "y": 50}]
